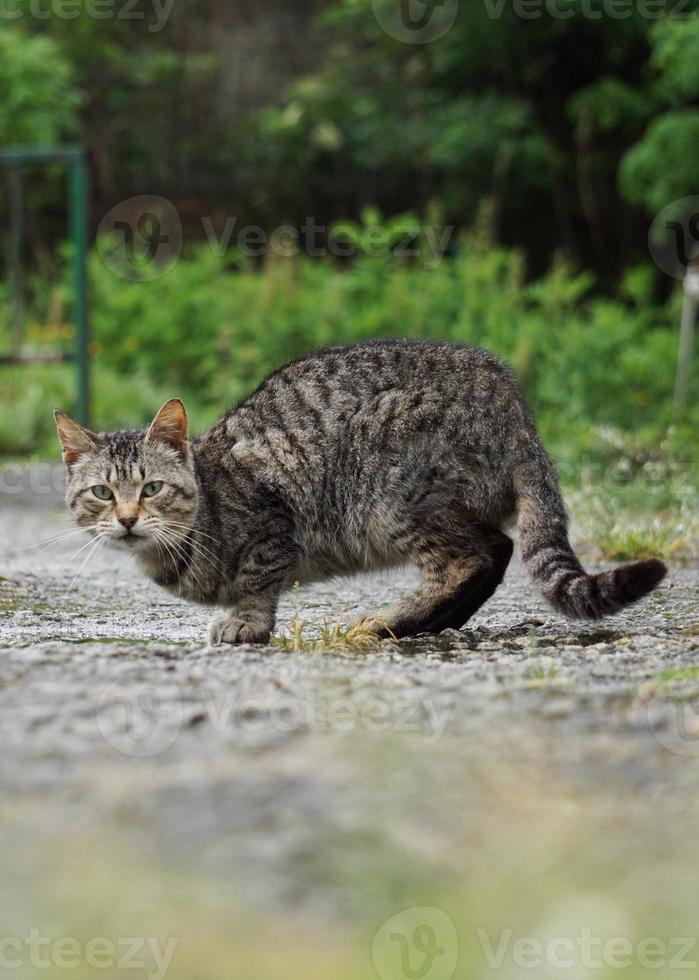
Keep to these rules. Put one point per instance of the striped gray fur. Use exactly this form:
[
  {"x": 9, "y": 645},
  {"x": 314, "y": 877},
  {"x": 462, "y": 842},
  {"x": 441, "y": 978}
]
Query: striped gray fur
[{"x": 349, "y": 459}]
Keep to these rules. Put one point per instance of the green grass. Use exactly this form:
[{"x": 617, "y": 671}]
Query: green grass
[
  {"x": 331, "y": 637},
  {"x": 539, "y": 674},
  {"x": 622, "y": 542},
  {"x": 628, "y": 523},
  {"x": 677, "y": 675}
]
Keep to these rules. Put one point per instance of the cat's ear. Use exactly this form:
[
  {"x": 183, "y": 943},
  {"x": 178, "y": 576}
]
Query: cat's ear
[
  {"x": 170, "y": 426},
  {"x": 76, "y": 440}
]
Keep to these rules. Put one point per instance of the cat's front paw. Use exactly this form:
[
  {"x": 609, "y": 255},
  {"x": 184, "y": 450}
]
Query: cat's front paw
[{"x": 229, "y": 629}]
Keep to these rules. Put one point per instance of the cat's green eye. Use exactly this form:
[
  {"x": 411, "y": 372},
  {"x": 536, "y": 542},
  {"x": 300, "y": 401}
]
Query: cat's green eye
[
  {"x": 102, "y": 492},
  {"x": 151, "y": 489}
]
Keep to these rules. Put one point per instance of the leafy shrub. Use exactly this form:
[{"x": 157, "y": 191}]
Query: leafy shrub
[
  {"x": 39, "y": 100},
  {"x": 213, "y": 327}
]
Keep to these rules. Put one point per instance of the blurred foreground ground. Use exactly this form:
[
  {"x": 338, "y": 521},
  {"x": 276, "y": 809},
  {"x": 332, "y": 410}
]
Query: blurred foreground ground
[{"x": 261, "y": 813}]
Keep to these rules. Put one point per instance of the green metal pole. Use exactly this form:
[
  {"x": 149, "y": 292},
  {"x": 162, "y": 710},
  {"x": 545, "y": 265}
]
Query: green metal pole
[
  {"x": 684, "y": 354},
  {"x": 17, "y": 234},
  {"x": 78, "y": 235}
]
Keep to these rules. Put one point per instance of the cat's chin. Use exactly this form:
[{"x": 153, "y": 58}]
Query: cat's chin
[{"x": 131, "y": 543}]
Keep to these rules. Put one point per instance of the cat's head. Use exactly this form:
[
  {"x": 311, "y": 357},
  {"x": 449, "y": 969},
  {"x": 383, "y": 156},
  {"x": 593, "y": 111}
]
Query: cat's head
[{"x": 136, "y": 488}]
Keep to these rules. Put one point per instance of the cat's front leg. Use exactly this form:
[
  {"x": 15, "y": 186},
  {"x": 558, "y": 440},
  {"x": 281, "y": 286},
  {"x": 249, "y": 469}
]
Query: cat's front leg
[
  {"x": 248, "y": 622},
  {"x": 255, "y": 594}
]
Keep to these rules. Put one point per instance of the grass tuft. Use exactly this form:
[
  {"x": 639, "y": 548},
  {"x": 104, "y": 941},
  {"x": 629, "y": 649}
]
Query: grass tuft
[
  {"x": 332, "y": 636},
  {"x": 541, "y": 674},
  {"x": 622, "y": 541},
  {"x": 626, "y": 526}
]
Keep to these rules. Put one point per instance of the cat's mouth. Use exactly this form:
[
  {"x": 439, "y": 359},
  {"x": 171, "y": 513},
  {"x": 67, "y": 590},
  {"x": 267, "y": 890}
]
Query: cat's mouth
[{"x": 130, "y": 540}]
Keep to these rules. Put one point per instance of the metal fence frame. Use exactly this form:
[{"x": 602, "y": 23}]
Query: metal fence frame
[{"x": 12, "y": 159}]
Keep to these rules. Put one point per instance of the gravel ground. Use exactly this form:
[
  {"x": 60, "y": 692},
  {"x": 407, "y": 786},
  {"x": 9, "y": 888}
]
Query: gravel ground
[{"x": 273, "y": 772}]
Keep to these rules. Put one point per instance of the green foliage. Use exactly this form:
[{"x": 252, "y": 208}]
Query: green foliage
[
  {"x": 38, "y": 99},
  {"x": 207, "y": 318},
  {"x": 661, "y": 166},
  {"x": 517, "y": 127},
  {"x": 534, "y": 114},
  {"x": 611, "y": 106},
  {"x": 29, "y": 394},
  {"x": 462, "y": 142},
  {"x": 214, "y": 327},
  {"x": 676, "y": 58}
]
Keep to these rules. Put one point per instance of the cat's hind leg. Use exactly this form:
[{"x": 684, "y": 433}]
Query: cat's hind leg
[{"x": 458, "y": 577}]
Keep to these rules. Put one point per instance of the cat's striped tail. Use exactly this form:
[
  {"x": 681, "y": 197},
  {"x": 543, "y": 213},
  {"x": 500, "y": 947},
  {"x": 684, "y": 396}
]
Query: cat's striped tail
[{"x": 552, "y": 563}]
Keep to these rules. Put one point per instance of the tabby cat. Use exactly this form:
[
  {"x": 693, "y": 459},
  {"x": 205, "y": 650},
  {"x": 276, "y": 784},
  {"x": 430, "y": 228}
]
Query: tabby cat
[{"x": 349, "y": 459}]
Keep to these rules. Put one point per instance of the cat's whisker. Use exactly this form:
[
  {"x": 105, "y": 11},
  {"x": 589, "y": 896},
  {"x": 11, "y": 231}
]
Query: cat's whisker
[
  {"x": 178, "y": 547},
  {"x": 189, "y": 530},
  {"x": 213, "y": 563},
  {"x": 160, "y": 543},
  {"x": 57, "y": 535},
  {"x": 199, "y": 532},
  {"x": 76, "y": 554},
  {"x": 171, "y": 547},
  {"x": 197, "y": 546},
  {"x": 98, "y": 542},
  {"x": 183, "y": 533},
  {"x": 183, "y": 557},
  {"x": 157, "y": 547},
  {"x": 52, "y": 542}
]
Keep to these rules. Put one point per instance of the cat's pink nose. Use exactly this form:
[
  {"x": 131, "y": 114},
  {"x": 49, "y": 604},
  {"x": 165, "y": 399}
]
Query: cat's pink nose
[{"x": 128, "y": 522}]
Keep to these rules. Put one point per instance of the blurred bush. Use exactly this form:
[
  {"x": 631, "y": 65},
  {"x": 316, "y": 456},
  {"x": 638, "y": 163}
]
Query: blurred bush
[
  {"x": 578, "y": 127},
  {"x": 39, "y": 99},
  {"x": 213, "y": 327}
]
